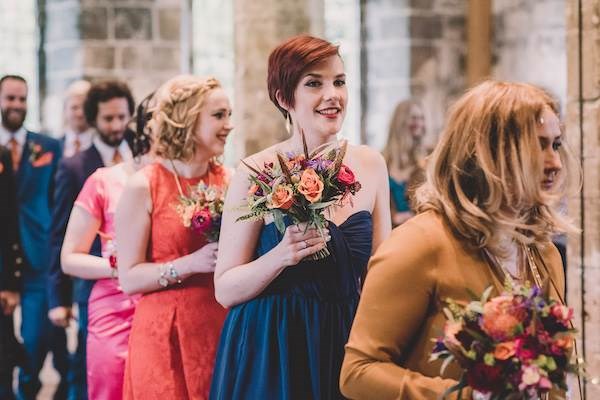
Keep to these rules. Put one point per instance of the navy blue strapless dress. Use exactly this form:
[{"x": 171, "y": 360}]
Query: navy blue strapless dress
[{"x": 288, "y": 343}]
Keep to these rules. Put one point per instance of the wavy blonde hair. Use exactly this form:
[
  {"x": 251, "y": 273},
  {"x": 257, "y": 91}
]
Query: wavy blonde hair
[
  {"x": 401, "y": 146},
  {"x": 485, "y": 173},
  {"x": 178, "y": 105}
]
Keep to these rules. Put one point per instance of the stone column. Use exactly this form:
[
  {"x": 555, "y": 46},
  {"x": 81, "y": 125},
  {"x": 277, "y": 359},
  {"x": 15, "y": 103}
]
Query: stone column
[
  {"x": 411, "y": 48},
  {"x": 138, "y": 41},
  {"x": 583, "y": 132},
  {"x": 260, "y": 25},
  {"x": 530, "y": 43},
  {"x": 479, "y": 54}
]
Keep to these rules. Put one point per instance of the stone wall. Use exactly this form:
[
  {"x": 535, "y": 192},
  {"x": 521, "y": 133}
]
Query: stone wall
[
  {"x": 583, "y": 130},
  {"x": 529, "y": 43},
  {"x": 138, "y": 41},
  {"x": 260, "y": 25},
  {"x": 412, "y": 48},
  {"x": 18, "y": 53}
]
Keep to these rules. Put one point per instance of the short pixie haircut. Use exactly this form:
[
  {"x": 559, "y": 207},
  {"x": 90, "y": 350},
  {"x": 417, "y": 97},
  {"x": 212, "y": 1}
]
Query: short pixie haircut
[
  {"x": 289, "y": 61},
  {"x": 102, "y": 92}
]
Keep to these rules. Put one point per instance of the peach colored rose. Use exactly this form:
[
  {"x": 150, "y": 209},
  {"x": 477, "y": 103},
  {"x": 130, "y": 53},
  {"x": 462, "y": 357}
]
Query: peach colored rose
[
  {"x": 504, "y": 351},
  {"x": 501, "y": 318},
  {"x": 311, "y": 185},
  {"x": 282, "y": 197},
  {"x": 253, "y": 189}
]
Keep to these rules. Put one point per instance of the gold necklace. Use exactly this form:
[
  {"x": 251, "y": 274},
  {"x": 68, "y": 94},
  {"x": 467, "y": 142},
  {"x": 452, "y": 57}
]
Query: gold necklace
[
  {"x": 176, "y": 175},
  {"x": 530, "y": 262},
  {"x": 537, "y": 278}
]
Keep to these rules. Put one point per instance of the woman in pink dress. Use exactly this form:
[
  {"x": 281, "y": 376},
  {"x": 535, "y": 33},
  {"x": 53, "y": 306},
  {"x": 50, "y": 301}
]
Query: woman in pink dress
[
  {"x": 110, "y": 310},
  {"x": 177, "y": 322}
]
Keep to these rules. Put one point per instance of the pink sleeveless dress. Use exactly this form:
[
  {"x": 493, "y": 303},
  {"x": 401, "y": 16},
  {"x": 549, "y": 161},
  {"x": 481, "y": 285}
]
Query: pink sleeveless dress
[
  {"x": 110, "y": 310},
  {"x": 175, "y": 330}
]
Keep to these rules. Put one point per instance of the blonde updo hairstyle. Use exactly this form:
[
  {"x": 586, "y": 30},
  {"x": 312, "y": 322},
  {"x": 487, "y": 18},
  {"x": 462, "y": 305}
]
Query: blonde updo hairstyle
[
  {"x": 178, "y": 105},
  {"x": 485, "y": 173}
]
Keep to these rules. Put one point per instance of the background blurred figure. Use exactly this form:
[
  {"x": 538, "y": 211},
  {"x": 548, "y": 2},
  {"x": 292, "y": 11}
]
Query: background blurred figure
[
  {"x": 35, "y": 158},
  {"x": 108, "y": 108},
  {"x": 404, "y": 155},
  {"x": 110, "y": 311},
  {"x": 78, "y": 135},
  {"x": 10, "y": 273}
]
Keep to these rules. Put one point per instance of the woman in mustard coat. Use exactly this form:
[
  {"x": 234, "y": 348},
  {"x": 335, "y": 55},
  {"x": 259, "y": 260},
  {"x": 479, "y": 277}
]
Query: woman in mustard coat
[{"x": 484, "y": 213}]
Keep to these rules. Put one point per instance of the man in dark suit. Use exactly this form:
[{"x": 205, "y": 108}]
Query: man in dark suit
[
  {"x": 108, "y": 108},
  {"x": 11, "y": 259},
  {"x": 35, "y": 159}
]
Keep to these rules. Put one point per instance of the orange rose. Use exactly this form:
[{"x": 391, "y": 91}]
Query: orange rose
[
  {"x": 504, "y": 351},
  {"x": 253, "y": 189},
  {"x": 311, "y": 185},
  {"x": 282, "y": 197},
  {"x": 501, "y": 319}
]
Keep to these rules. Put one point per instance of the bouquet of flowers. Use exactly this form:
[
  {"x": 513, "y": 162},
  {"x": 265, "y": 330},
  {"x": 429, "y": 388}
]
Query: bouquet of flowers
[
  {"x": 202, "y": 209},
  {"x": 514, "y": 346},
  {"x": 301, "y": 186}
]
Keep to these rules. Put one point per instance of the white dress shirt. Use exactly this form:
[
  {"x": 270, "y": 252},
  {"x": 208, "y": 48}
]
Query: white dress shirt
[
  {"x": 20, "y": 136},
  {"x": 85, "y": 141},
  {"x": 107, "y": 152}
]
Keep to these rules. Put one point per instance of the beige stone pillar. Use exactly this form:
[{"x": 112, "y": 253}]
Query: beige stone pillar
[
  {"x": 479, "y": 52},
  {"x": 260, "y": 25},
  {"x": 583, "y": 132},
  {"x": 137, "y": 41}
]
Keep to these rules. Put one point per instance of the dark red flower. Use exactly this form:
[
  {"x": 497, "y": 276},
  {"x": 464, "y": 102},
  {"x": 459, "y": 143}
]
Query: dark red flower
[
  {"x": 201, "y": 221},
  {"x": 485, "y": 378},
  {"x": 345, "y": 175},
  {"x": 112, "y": 259}
]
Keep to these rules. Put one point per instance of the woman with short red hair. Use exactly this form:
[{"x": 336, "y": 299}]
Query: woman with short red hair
[{"x": 284, "y": 335}]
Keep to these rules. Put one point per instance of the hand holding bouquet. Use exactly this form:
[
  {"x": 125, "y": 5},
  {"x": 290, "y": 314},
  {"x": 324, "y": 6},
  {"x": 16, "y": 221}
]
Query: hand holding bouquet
[
  {"x": 301, "y": 186},
  {"x": 202, "y": 209},
  {"x": 514, "y": 346}
]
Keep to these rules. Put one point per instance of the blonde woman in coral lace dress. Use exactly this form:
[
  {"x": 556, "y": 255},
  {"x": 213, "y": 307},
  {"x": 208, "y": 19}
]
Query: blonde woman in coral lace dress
[{"x": 178, "y": 321}]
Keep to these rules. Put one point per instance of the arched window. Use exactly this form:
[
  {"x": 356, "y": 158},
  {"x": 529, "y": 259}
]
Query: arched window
[{"x": 19, "y": 51}]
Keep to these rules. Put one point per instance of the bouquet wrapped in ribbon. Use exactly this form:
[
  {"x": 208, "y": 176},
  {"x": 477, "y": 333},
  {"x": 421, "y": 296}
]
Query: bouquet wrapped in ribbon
[
  {"x": 514, "y": 346},
  {"x": 201, "y": 210},
  {"x": 302, "y": 187}
]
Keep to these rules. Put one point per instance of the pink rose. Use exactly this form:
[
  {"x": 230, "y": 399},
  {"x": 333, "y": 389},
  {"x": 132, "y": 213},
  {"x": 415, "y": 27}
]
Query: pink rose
[
  {"x": 201, "y": 221},
  {"x": 562, "y": 313},
  {"x": 346, "y": 176}
]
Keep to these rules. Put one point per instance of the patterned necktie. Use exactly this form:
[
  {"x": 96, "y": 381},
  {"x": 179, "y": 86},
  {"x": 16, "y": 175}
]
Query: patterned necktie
[
  {"x": 117, "y": 157},
  {"x": 15, "y": 154}
]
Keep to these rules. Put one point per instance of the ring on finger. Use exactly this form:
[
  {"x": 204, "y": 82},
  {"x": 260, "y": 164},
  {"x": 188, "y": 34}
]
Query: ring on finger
[{"x": 305, "y": 244}]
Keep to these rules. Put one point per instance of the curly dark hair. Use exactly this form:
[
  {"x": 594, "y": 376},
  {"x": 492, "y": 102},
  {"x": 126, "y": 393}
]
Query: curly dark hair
[{"x": 102, "y": 92}]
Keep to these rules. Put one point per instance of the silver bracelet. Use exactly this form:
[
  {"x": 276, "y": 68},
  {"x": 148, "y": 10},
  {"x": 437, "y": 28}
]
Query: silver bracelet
[
  {"x": 162, "y": 279},
  {"x": 173, "y": 274}
]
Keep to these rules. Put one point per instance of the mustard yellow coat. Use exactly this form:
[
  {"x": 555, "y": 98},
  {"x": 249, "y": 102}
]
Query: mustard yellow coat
[{"x": 400, "y": 311}]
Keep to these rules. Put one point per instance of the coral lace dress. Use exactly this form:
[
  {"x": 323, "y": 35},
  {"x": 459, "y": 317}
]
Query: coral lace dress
[{"x": 176, "y": 330}]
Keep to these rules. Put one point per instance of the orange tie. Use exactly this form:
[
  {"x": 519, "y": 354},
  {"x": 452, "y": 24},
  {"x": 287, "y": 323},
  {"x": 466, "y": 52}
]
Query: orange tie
[
  {"x": 77, "y": 144},
  {"x": 15, "y": 154},
  {"x": 117, "y": 157}
]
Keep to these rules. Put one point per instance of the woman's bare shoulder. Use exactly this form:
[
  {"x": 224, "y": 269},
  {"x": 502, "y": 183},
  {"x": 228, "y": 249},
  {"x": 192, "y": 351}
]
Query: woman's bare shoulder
[{"x": 368, "y": 158}]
